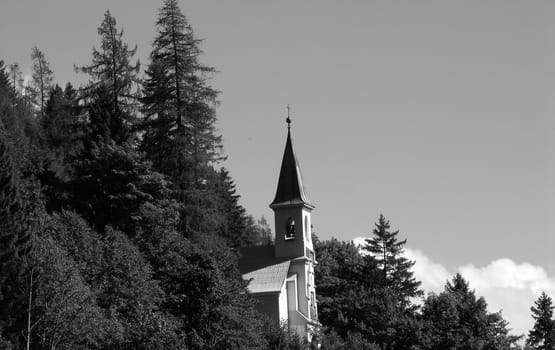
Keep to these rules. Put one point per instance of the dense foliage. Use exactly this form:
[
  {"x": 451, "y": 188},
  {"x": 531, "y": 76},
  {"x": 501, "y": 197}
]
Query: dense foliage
[
  {"x": 369, "y": 299},
  {"x": 119, "y": 229}
]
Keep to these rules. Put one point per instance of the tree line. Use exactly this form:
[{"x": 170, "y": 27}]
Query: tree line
[
  {"x": 369, "y": 299},
  {"x": 120, "y": 229}
]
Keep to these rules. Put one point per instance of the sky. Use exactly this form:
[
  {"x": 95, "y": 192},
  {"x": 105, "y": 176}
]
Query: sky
[{"x": 438, "y": 114}]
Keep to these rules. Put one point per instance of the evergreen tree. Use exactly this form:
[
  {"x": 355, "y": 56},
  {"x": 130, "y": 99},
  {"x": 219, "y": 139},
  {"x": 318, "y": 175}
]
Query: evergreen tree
[
  {"x": 179, "y": 120},
  {"x": 204, "y": 290},
  {"x": 353, "y": 301},
  {"x": 62, "y": 137},
  {"x": 61, "y": 126},
  {"x": 42, "y": 79},
  {"x": 110, "y": 95},
  {"x": 387, "y": 250},
  {"x": 339, "y": 281},
  {"x": 233, "y": 225},
  {"x": 457, "y": 319},
  {"x": 178, "y": 102},
  {"x": 542, "y": 336},
  {"x": 111, "y": 184}
]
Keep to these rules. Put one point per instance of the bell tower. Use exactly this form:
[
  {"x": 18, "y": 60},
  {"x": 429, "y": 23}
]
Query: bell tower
[
  {"x": 292, "y": 208},
  {"x": 293, "y": 241}
]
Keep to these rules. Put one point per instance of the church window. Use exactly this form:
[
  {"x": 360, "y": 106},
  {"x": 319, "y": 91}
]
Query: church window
[
  {"x": 306, "y": 233},
  {"x": 290, "y": 229}
]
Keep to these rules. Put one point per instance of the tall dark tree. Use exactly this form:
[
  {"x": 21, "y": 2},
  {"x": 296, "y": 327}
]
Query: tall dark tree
[
  {"x": 43, "y": 76},
  {"x": 387, "y": 250},
  {"x": 179, "y": 124},
  {"x": 111, "y": 95},
  {"x": 542, "y": 336},
  {"x": 178, "y": 102}
]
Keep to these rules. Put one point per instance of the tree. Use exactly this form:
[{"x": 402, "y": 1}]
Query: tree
[
  {"x": 61, "y": 126},
  {"x": 457, "y": 319},
  {"x": 542, "y": 335},
  {"x": 396, "y": 272},
  {"x": 233, "y": 221},
  {"x": 111, "y": 183},
  {"x": 16, "y": 119},
  {"x": 353, "y": 300},
  {"x": 16, "y": 78},
  {"x": 11, "y": 270},
  {"x": 42, "y": 79},
  {"x": 204, "y": 290},
  {"x": 122, "y": 281},
  {"x": 338, "y": 278},
  {"x": 257, "y": 232},
  {"x": 10, "y": 205},
  {"x": 178, "y": 103},
  {"x": 216, "y": 310},
  {"x": 110, "y": 96},
  {"x": 62, "y": 310}
]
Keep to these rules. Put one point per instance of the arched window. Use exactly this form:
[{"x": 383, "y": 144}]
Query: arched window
[{"x": 290, "y": 229}]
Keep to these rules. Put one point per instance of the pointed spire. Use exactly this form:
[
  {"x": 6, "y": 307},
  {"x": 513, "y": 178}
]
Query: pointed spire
[{"x": 290, "y": 190}]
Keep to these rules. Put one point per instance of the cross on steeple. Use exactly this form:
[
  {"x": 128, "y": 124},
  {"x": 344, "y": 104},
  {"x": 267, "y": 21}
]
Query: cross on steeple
[{"x": 288, "y": 120}]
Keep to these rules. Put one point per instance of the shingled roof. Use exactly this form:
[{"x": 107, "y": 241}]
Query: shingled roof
[
  {"x": 265, "y": 272},
  {"x": 290, "y": 188}
]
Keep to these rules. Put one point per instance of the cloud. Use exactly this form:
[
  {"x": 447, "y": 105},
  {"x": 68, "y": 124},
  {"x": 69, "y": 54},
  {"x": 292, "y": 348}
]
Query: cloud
[
  {"x": 507, "y": 286},
  {"x": 511, "y": 287},
  {"x": 432, "y": 275}
]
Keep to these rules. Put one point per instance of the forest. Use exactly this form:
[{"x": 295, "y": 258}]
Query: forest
[{"x": 121, "y": 229}]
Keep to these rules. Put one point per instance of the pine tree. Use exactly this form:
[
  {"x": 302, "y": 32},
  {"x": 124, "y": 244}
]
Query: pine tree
[
  {"x": 458, "y": 319},
  {"x": 111, "y": 184},
  {"x": 61, "y": 126},
  {"x": 542, "y": 336},
  {"x": 42, "y": 79},
  {"x": 179, "y": 120},
  {"x": 388, "y": 251},
  {"x": 110, "y": 95},
  {"x": 178, "y": 103},
  {"x": 233, "y": 226}
]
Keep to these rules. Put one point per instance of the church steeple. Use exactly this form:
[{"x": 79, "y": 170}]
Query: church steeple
[
  {"x": 290, "y": 190},
  {"x": 292, "y": 208}
]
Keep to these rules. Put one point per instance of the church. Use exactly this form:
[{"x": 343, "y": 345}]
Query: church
[{"x": 282, "y": 275}]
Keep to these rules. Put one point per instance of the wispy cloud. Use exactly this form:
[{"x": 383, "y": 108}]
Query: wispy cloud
[{"x": 505, "y": 284}]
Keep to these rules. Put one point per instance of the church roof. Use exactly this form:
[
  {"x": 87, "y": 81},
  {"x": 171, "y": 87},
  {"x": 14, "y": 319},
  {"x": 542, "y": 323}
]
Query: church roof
[
  {"x": 290, "y": 188},
  {"x": 265, "y": 272}
]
